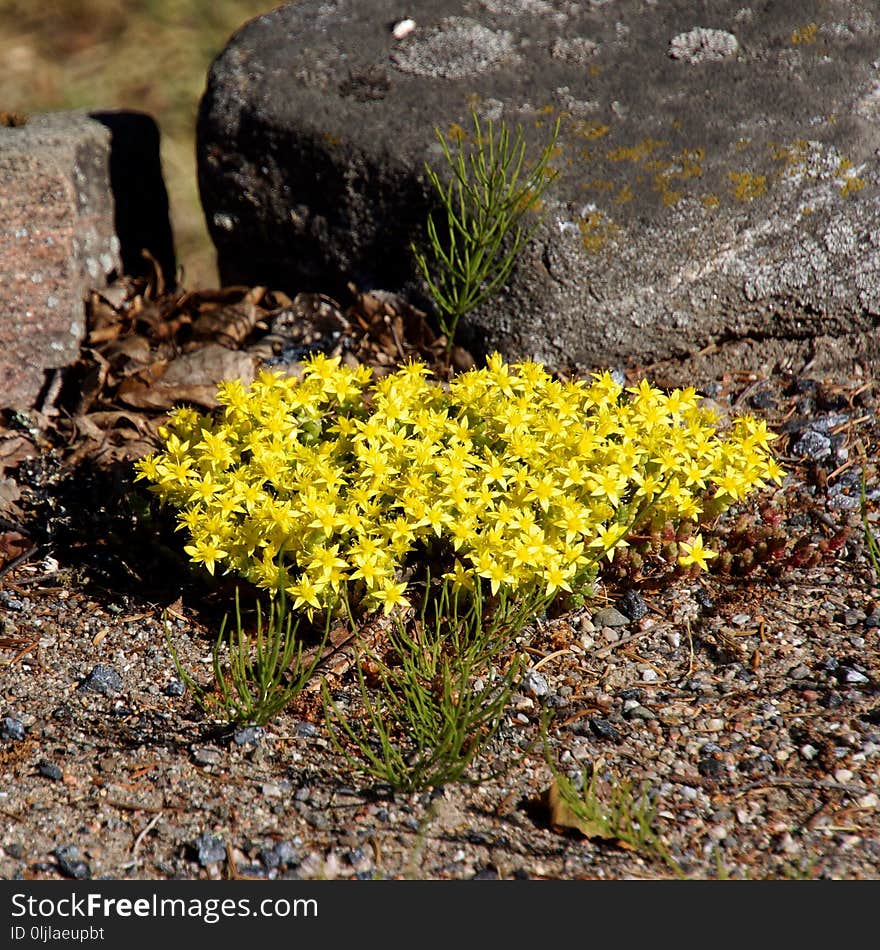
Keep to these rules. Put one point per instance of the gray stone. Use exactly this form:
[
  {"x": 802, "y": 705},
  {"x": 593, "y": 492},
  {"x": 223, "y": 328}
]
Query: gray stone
[
  {"x": 534, "y": 684},
  {"x": 80, "y": 196},
  {"x": 209, "y": 849},
  {"x": 103, "y": 679},
  {"x": 812, "y": 445},
  {"x": 12, "y": 728},
  {"x": 717, "y": 189},
  {"x": 609, "y": 617},
  {"x": 248, "y": 735},
  {"x": 71, "y": 863}
]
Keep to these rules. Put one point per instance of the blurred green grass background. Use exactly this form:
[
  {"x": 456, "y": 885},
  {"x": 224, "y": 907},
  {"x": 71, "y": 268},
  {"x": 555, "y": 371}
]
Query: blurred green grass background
[{"x": 148, "y": 55}]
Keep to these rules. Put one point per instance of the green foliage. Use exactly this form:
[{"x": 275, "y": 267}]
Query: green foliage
[
  {"x": 625, "y": 816},
  {"x": 438, "y": 698},
  {"x": 505, "y": 481},
  {"x": 262, "y": 673},
  {"x": 471, "y": 252}
]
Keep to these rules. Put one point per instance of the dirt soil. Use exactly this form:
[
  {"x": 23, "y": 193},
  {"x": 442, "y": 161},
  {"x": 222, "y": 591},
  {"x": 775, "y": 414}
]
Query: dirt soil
[{"x": 744, "y": 702}]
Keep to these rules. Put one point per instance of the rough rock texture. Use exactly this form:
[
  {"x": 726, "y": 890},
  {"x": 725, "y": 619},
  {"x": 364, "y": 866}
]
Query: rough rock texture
[
  {"x": 62, "y": 233},
  {"x": 717, "y": 188}
]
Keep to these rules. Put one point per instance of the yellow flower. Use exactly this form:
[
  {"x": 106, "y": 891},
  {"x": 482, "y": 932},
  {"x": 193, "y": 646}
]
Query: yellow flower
[
  {"x": 390, "y": 596},
  {"x": 610, "y": 537},
  {"x": 696, "y": 553},
  {"x": 205, "y": 550},
  {"x": 304, "y": 593},
  {"x": 512, "y": 475}
]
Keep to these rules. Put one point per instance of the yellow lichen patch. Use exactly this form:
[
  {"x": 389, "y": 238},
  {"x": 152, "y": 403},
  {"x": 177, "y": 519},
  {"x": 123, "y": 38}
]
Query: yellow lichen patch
[
  {"x": 600, "y": 184},
  {"x": 624, "y": 195},
  {"x": 805, "y": 34},
  {"x": 710, "y": 202},
  {"x": 658, "y": 165},
  {"x": 851, "y": 185},
  {"x": 849, "y": 182},
  {"x": 596, "y": 229},
  {"x": 635, "y": 153},
  {"x": 691, "y": 163},
  {"x": 456, "y": 133},
  {"x": 589, "y": 130},
  {"x": 793, "y": 155},
  {"x": 746, "y": 186}
]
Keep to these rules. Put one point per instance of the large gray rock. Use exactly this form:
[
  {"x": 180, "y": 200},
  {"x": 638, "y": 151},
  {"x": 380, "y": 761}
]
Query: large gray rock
[
  {"x": 80, "y": 197},
  {"x": 717, "y": 188}
]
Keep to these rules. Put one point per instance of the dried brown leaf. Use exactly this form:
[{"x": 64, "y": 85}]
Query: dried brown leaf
[{"x": 564, "y": 818}]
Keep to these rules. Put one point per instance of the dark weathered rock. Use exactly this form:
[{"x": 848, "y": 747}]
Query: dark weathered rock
[
  {"x": 718, "y": 181},
  {"x": 103, "y": 679},
  {"x": 79, "y": 198}
]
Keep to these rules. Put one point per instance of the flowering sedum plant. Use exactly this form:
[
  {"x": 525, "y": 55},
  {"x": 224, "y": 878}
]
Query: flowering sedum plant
[{"x": 335, "y": 485}]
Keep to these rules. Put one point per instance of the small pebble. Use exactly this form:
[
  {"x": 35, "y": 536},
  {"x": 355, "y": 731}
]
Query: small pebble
[
  {"x": 604, "y": 729},
  {"x": 175, "y": 688},
  {"x": 534, "y": 684},
  {"x": 812, "y": 445},
  {"x": 12, "y": 729},
  {"x": 854, "y": 676},
  {"x": 718, "y": 832},
  {"x": 800, "y": 672},
  {"x": 104, "y": 680},
  {"x": 50, "y": 770},
  {"x": 403, "y": 28},
  {"x": 12, "y": 603},
  {"x": 207, "y": 756},
  {"x": 248, "y": 735},
  {"x": 210, "y": 849},
  {"x": 306, "y": 729},
  {"x": 710, "y": 767},
  {"x": 632, "y": 692},
  {"x": 70, "y": 862},
  {"x": 649, "y": 676},
  {"x": 809, "y": 752},
  {"x": 632, "y": 605},
  {"x": 609, "y": 617},
  {"x": 714, "y": 725}
]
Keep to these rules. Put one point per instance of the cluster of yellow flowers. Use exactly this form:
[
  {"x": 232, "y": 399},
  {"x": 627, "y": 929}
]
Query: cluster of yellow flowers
[{"x": 326, "y": 483}]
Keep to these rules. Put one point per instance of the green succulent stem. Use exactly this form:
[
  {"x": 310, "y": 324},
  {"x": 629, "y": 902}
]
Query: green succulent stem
[
  {"x": 438, "y": 697},
  {"x": 262, "y": 672},
  {"x": 477, "y": 233}
]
